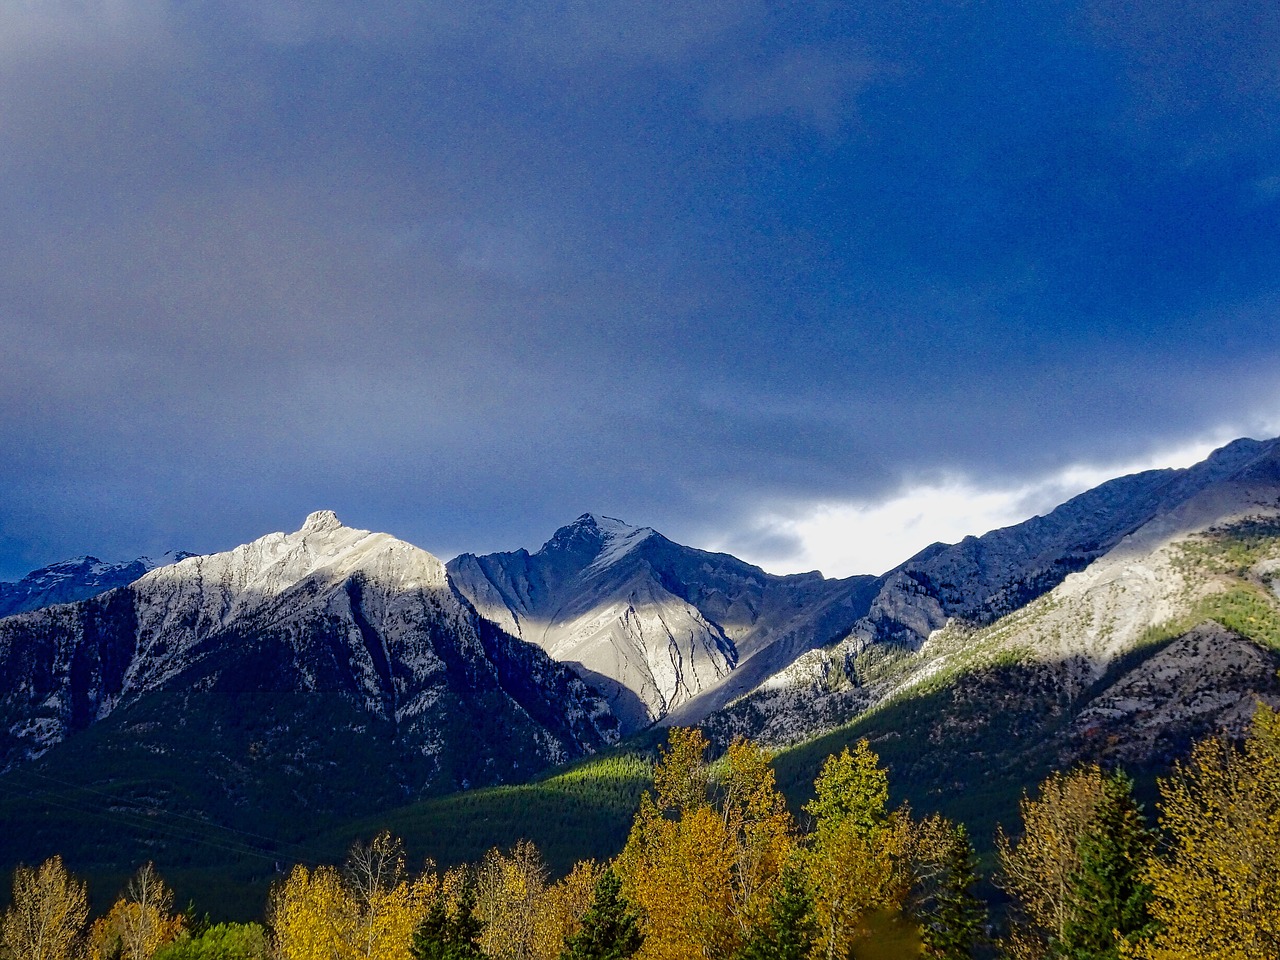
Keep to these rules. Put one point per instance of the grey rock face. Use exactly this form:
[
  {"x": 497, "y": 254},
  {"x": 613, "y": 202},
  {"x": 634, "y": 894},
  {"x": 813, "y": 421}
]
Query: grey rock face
[
  {"x": 664, "y": 630},
  {"x": 982, "y": 578},
  {"x": 1157, "y": 578}
]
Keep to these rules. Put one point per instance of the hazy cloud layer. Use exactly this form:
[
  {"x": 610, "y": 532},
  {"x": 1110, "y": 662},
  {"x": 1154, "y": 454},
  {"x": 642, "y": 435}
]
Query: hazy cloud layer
[{"x": 463, "y": 271}]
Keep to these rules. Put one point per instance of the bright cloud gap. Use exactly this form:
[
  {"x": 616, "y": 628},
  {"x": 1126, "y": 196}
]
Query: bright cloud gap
[{"x": 844, "y": 538}]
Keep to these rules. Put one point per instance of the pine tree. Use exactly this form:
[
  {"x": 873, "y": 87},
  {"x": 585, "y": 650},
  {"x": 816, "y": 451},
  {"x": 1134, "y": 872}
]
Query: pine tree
[
  {"x": 791, "y": 930},
  {"x": 1036, "y": 868},
  {"x": 1110, "y": 899},
  {"x": 954, "y": 925},
  {"x": 441, "y": 936},
  {"x": 610, "y": 930}
]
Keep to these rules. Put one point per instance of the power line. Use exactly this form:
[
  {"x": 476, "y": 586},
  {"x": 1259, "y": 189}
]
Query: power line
[
  {"x": 143, "y": 820},
  {"x": 197, "y": 821}
]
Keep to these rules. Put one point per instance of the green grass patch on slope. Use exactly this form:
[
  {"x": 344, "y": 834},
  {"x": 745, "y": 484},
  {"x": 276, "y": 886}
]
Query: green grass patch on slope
[
  {"x": 1233, "y": 548},
  {"x": 1247, "y": 609}
]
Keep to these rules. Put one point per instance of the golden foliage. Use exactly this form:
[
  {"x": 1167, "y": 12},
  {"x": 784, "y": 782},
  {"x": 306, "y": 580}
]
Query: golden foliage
[
  {"x": 509, "y": 892},
  {"x": 1036, "y": 869},
  {"x": 859, "y": 860},
  {"x": 46, "y": 918},
  {"x": 1217, "y": 893},
  {"x": 761, "y": 830},
  {"x": 311, "y": 915},
  {"x": 367, "y": 912},
  {"x": 561, "y": 909},
  {"x": 139, "y": 923},
  {"x": 854, "y": 875},
  {"x": 702, "y": 873},
  {"x": 678, "y": 872}
]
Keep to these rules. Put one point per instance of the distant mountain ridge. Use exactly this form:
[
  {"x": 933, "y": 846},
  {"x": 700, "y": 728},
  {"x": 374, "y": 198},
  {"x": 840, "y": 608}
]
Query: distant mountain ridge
[
  {"x": 77, "y": 579},
  {"x": 982, "y": 578},
  {"x": 311, "y": 676},
  {"x": 672, "y": 634}
]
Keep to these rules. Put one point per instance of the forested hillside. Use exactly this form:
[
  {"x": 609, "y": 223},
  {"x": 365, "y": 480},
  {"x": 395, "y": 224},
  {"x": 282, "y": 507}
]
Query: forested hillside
[{"x": 717, "y": 864}]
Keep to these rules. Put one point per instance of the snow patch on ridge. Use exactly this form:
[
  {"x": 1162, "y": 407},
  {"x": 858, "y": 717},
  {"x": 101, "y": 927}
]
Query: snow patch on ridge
[{"x": 618, "y": 539}]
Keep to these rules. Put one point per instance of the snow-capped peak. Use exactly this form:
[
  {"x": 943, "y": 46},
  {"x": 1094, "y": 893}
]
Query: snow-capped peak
[
  {"x": 617, "y": 538},
  {"x": 322, "y": 521},
  {"x": 225, "y": 585}
]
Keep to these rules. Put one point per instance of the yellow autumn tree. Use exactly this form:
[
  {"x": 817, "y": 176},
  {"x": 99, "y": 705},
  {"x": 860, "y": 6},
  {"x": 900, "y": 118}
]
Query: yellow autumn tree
[
  {"x": 510, "y": 889},
  {"x": 859, "y": 857},
  {"x": 561, "y": 909},
  {"x": 311, "y": 916},
  {"x": 388, "y": 906},
  {"x": 703, "y": 857},
  {"x": 46, "y": 917},
  {"x": 763, "y": 833},
  {"x": 1217, "y": 892},
  {"x": 139, "y": 923},
  {"x": 368, "y": 911},
  {"x": 1036, "y": 868}
]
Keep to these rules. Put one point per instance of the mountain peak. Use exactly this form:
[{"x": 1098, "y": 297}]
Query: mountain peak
[
  {"x": 608, "y": 526},
  {"x": 321, "y": 521},
  {"x": 599, "y": 539}
]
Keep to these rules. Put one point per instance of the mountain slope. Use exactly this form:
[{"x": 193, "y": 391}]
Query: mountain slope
[
  {"x": 263, "y": 666},
  {"x": 982, "y": 578},
  {"x": 1171, "y": 633},
  {"x": 657, "y": 626}
]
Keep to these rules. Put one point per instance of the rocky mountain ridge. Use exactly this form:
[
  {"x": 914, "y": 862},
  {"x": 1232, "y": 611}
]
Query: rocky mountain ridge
[
  {"x": 314, "y": 675},
  {"x": 655, "y": 625},
  {"x": 1171, "y": 632},
  {"x": 363, "y": 628}
]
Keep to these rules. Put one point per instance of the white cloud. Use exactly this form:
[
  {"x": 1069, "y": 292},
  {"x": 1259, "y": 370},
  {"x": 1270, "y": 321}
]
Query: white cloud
[{"x": 843, "y": 538}]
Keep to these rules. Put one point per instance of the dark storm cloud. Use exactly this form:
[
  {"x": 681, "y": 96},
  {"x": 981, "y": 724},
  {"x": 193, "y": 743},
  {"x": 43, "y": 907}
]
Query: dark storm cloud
[{"x": 462, "y": 271}]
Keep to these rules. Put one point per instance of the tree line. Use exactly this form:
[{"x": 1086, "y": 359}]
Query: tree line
[{"x": 716, "y": 867}]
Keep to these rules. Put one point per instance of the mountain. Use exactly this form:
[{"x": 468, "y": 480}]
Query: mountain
[
  {"x": 325, "y": 670},
  {"x": 72, "y": 580},
  {"x": 1162, "y": 626},
  {"x": 982, "y": 578},
  {"x": 672, "y": 634},
  {"x": 660, "y": 628}
]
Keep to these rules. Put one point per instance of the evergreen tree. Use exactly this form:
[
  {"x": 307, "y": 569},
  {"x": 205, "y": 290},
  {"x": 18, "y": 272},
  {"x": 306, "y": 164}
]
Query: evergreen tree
[
  {"x": 444, "y": 937},
  {"x": 610, "y": 930},
  {"x": 791, "y": 930},
  {"x": 1110, "y": 898},
  {"x": 954, "y": 926}
]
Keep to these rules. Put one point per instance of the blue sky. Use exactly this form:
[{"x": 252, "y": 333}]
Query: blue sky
[{"x": 465, "y": 271}]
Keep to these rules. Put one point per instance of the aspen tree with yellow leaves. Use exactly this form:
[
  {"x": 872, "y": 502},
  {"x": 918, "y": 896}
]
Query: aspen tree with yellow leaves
[
  {"x": 1036, "y": 868},
  {"x": 139, "y": 923},
  {"x": 702, "y": 873},
  {"x": 366, "y": 912},
  {"x": 857, "y": 862},
  {"x": 562, "y": 908},
  {"x": 755, "y": 816},
  {"x": 1216, "y": 893},
  {"x": 510, "y": 892},
  {"x": 47, "y": 915},
  {"x": 311, "y": 916}
]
